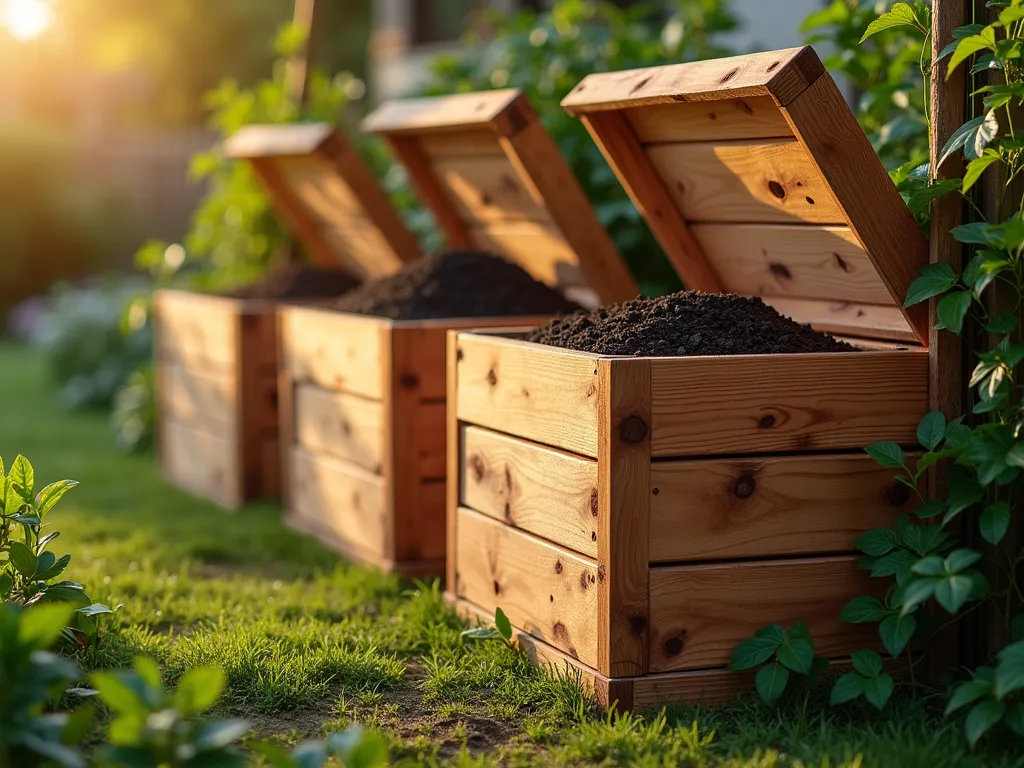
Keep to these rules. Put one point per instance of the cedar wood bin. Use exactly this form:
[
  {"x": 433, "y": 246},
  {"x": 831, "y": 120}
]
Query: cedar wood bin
[
  {"x": 636, "y": 518},
  {"x": 363, "y": 398},
  {"x": 216, "y": 357}
]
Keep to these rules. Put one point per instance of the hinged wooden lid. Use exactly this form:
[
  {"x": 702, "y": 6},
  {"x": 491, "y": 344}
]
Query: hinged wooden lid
[
  {"x": 495, "y": 181},
  {"x": 321, "y": 187},
  {"x": 756, "y": 179}
]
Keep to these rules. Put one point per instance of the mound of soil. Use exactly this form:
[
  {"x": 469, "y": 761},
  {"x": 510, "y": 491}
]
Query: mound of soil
[
  {"x": 294, "y": 281},
  {"x": 456, "y": 284},
  {"x": 685, "y": 324}
]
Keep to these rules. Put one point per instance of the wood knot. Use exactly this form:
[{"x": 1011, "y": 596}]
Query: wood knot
[
  {"x": 743, "y": 107},
  {"x": 773, "y": 66},
  {"x": 410, "y": 380},
  {"x": 459, "y": 353},
  {"x": 655, "y": 491},
  {"x": 637, "y": 625},
  {"x": 590, "y": 390},
  {"x": 346, "y": 428},
  {"x": 897, "y": 494},
  {"x": 729, "y": 75},
  {"x": 640, "y": 85},
  {"x": 593, "y": 502},
  {"x": 632, "y": 429},
  {"x": 485, "y": 199},
  {"x": 674, "y": 645},
  {"x": 508, "y": 512},
  {"x": 841, "y": 262},
  {"x": 492, "y": 377},
  {"x": 477, "y": 466},
  {"x": 601, "y": 571},
  {"x": 593, "y": 535},
  {"x": 584, "y": 581},
  {"x": 780, "y": 271},
  {"x": 777, "y": 189},
  {"x": 744, "y": 486},
  {"x": 809, "y": 199},
  {"x": 497, "y": 587},
  {"x": 559, "y": 631},
  {"x": 558, "y": 566},
  {"x": 766, "y": 422}
]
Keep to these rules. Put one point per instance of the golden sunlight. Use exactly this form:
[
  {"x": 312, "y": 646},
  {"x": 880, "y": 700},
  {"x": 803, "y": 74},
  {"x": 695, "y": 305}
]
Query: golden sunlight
[{"x": 26, "y": 19}]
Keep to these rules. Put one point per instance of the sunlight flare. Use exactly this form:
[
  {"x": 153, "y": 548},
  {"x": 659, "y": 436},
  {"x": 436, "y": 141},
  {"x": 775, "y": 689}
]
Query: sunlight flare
[{"x": 26, "y": 19}]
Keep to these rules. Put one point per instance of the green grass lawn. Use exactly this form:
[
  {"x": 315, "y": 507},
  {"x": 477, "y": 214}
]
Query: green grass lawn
[{"x": 311, "y": 644}]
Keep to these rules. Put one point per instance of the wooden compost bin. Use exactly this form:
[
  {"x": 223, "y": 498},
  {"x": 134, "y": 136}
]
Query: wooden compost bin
[
  {"x": 636, "y": 518},
  {"x": 363, "y": 398},
  {"x": 216, "y": 357}
]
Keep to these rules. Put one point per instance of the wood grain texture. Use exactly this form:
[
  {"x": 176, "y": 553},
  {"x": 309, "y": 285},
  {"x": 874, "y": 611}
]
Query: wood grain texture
[
  {"x": 541, "y": 393},
  {"x": 537, "y": 246},
  {"x": 488, "y": 187},
  {"x": 333, "y": 350},
  {"x": 201, "y": 400},
  {"x": 276, "y": 140},
  {"x": 341, "y": 425},
  {"x": 454, "y": 453},
  {"x": 792, "y": 260},
  {"x": 472, "y": 142},
  {"x": 632, "y": 166},
  {"x": 201, "y": 462},
  {"x": 699, "y": 614},
  {"x": 454, "y": 112},
  {"x": 780, "y": 505},
  {"x": 256, "y": 407},
  {"x": 873, "y": 208},
  {"x": 783, "y": 75},
  {"x": 340, "y": 497},
  {"x": 764, "y": 404},
  {"x": 624, "y": 494},
  {"x": 548, "y": 591},
  {"x": 756, "y": 117},
  {"x": 197, "y": 331},
  {"x": 871, "y": 320},
  {"x": 549, "y": 493},
  {"x": 748, "y": 181}
]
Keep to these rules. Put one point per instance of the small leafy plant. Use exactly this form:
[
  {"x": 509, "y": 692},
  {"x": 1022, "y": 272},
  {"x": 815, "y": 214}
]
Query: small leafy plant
[
  {"x": 502, "y": 630},
  {"x": 353, "y": 748},
  {"x": 28, "y": 570},
  {"x": 867, "y": 681},
  {"x": 780, "y": 654}
]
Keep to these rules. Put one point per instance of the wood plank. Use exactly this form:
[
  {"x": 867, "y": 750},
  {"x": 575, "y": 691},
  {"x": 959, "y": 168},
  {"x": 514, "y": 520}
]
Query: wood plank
[
  {"x": 749, "y": 181},
  {"x": 773, "y": 403},
  {"x": 549, "y": 493},
  {"x": 430, "y": 425},
  {"x": 780, "y": 505},
  {"x": 341, "y": 425},
  {"x": 536, "y": 246},
  {"x": 541, "y": 393},
  {"x": 700, "y": 613},
  {"x": 624, "y": 494},
  {"x": 255, "y": 407},
  {"x": 453, "y": 460},
  {"x": 340, "y": 497},
  {"x": 202, "y": 463},
  {"x": 270, "y": 466},
  {"x": 548, "y": 591},
  {"x": 487, "y": 187},
  {"x": 197, "y": 330},
  {"x": 204, "y": 401},
  {"x": 865, "y": 320},
  {"x": 792, "y": 260},
  {"x": 333, "y": 350},
  {"x": 276, "y": 140},
  {"x": 783, "y": 75},
  {"x": 634, "y": 170},
  {"x": 873, "y": 208},
  {"x": 756, "y": 117},
  {"x": 469, "y": 142},
  {"x": 453, "y": 112}
]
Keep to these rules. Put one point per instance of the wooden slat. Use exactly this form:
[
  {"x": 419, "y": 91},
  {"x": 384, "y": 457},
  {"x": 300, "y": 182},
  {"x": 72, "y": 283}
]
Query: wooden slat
[
  {"x": 873, "y": 208},
  {"x": 495, "y": 109},
  {"x": 624, "y": 494},
  {"x": 541, "y": 393},
  {"x": 471, "y": 142},
  {"x": 756, "y": 117},
  {"x": 325, "y": 193},
  {"x": 198, "y": 331},
  {"x": 276, "y": 140},
  {"x": 340, "y": 425},
  {"x": 782, "y": 75},
  {"x": 204, "y": 401},
  {"x": 540, "y": 490},
  {"x": 255, "y": 407},
  {"x": 429, "y": 426},
  {"x": 536, "y": 246},
  {"x": 269, "y": 463},
  {"x": 488, "y": 187},
  {"x": 548, "y": 591},
  {"x": 699, "y": 614},
  {"x": 333, "y": 350},
  {"x": 772, "y": 403},
  {"x": 202, "y": 463},
  {"x": 344, "y": 499},
  {"x": 780, "y": 505},
  {"x": 771, "y": 180},
  {"x": 792, "y": 260},
  {"x": 871, "y": 320},
  {"x": 453, "y": 460}
]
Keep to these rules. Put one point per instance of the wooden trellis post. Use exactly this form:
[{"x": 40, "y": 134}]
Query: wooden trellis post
[{"x": 308, "y": 16}]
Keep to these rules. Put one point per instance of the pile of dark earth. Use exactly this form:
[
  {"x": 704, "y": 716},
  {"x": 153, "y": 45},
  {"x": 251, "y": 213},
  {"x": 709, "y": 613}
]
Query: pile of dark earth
[
  {"x": 685, "y": 324},
  {"x": 295, "y": 281},
  {"x": 455, "y": 284}
]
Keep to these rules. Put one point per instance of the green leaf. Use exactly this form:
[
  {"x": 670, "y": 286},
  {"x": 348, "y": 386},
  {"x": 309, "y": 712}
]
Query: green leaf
[
  {"x": 975, "y": 168},
  {"x": 868, "y": 663},
  {"x": 1009, "y": 674},
  {"x": 888, "y": 454},
  {"x": 6, "y": 584},
  {"x": 931, "y": 508},
  {"x": 933, "y": 280},
  {"x": 953, "y": 591},
  {"x": 51, "y": 494},
  {"x": 219, "y": 734},
  {"x": 896, "y": 631},
  {"x": 480, "y": 633},
  {"x": 41, "y": 625},
  {"x": 982, "y": 718},
  {"x": 977, "y": 233},
  {"x": 959, "y": 138},
  {"x": 797, "y": 654},
  {"x": 877, "y": 690},
  {"x": 23, "y": 559},
  {"x": 1014, "y": 717},
  {"x": 959, "y": 560},
  {"x": 931, "y": 430},
  {"x": 922, "y": 198},
  {"x": 952, "y": 310},
  {"x": 967, "y": 693},
  {"x": 1015, "y": 456},
  {"x": 54, "y": 570},
  {"x": 771, "y": 682},
  {"x": 847, "y": 688},
  {"x": 900, "y": 15},
  {"x": 22, "y": 474},
  {"x": 1004, "y": 322},
  {"x": 985, "y": 40},
  {"x": 994, "y": 522},
  {"x": 876, "y": 542},
  {"x": 755, "y": 651},
  {"x": 199, "y": 690},
  {"x": 863, "y": 609},
  {"x": 503, "y": 625},
  {"x": 117, "y": 694}
]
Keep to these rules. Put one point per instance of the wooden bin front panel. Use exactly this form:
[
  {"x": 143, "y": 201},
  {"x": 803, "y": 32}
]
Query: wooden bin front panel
[{"x": 217, "y": 396}]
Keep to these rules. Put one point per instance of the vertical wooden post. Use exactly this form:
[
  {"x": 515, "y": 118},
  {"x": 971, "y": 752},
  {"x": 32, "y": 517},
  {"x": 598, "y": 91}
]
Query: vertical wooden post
[
  {"x": 945, "y": 353},
  {"x": 308, "y": 14}
]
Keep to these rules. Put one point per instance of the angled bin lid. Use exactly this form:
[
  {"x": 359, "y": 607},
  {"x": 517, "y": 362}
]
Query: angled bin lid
[
  {"x": 320, "y": 185},
  {"x": 756, "y": 179},
  {"x": 495, "y": 181}
]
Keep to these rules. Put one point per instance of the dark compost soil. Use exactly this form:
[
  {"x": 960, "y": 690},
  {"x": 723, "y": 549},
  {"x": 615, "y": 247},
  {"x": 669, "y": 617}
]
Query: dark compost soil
[
  {"x": 685, "y": 324},
  {"x": 455, "y": 284},
  {"x": 293, "y": 281}
]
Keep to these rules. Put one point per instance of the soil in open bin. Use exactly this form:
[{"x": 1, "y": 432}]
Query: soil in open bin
[
  {"x": 294, "y": 281},
  {"x": 456, "y": 284},
  {"x": 685, "y": 324}
]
